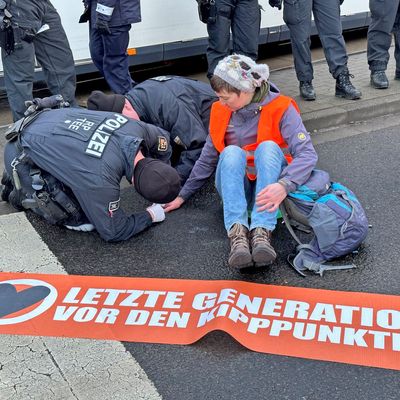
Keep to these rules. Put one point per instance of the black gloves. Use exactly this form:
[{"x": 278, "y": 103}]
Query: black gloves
[
  {"x": 85, "y": 16},
  {"x": 341, "y": 2},
  {"x": 102, "y": 26},
  {"x": 276, "y": 3}
]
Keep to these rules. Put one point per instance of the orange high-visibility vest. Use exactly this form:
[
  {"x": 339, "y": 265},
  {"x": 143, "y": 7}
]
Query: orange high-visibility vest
[{"x": 268, "y": 128}]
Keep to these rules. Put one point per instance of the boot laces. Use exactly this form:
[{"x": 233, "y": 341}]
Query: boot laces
[
  {"x": 260, "y": 235},
  {"x": 238, "y": 236},
  {"x": 307, "y": 85},
  {"x": 344, "y": 78}
]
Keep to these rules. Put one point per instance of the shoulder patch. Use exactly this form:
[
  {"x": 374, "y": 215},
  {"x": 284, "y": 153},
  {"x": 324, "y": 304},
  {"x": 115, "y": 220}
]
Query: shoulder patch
[
  {"x": 162, "y": 143},
  {"x": 301, "y": 136},
  {"x": 113, "y": 205}
]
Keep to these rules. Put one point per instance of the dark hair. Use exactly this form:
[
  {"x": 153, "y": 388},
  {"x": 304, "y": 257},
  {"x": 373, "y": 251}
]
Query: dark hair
[{"x": 219, "y": 85}]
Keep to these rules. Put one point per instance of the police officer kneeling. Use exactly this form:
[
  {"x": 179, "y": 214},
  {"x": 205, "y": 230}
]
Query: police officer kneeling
[{"x": 66, "y": 165}]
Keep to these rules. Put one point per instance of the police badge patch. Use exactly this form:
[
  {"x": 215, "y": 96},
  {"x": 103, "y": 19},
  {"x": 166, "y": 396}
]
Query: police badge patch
[
  {"x": 113, "y": 205},
  {"x": 162, "y": 143}
]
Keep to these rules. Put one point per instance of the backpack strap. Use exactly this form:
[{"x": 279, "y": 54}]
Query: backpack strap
[{"x": 288, "y": 224}]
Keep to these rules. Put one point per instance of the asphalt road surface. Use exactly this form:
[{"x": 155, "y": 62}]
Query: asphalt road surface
[{"x": 192, "y": 244}]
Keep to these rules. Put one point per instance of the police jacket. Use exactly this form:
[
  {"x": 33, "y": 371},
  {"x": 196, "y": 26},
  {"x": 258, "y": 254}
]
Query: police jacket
[
  {"x": 116, "y": 12},
  {"x": 90, "y": 152},
  {"x": 182, "y": 107},
  {"x": 28, "y": 14}
]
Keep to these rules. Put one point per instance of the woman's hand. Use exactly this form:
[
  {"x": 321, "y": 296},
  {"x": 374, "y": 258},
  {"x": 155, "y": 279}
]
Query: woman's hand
[
  {"x": 270, "y": 197},
  {"x": 174, "y": 204}
]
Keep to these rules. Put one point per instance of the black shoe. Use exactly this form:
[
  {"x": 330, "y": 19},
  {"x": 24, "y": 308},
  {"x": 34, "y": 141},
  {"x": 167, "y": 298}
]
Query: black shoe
[
  {"x": 397, "y": 76},
  {"x": 379, "y": 80},
  {"x": 6, "y": 186},
  {"x": 344, "y": 88},
  {"x": 307, "y": 90}
]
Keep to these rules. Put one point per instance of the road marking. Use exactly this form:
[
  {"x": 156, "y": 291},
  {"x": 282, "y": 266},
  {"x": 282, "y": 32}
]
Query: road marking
[{"x": 55, "y": 368}]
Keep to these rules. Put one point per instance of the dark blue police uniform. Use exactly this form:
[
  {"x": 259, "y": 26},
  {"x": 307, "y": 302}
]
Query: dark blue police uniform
[
  {"x": 182, "y": 107},
  {"x": 243, "y": 18},
  {"x": 41, "y": 36},
  {"x": 385, "y": 20},
  {"x": 90, "y": 152},
  {"x": 108, "y": 50}
]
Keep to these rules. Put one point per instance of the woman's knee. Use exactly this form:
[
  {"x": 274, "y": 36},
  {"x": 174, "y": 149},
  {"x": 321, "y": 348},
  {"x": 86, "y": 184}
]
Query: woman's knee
[
  {"x": 268, "y": 149},
  {"x": 232, "y": 156}
]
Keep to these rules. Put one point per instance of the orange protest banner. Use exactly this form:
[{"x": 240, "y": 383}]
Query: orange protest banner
[{"x": 347, "y": 327}]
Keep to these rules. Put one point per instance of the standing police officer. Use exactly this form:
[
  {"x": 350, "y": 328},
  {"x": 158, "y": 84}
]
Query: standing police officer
[
  {"x": 385, "y": 19},
  {"x": 297, "y": 16},
  {"x": 179, "y": 105},
  {"x": 109, "y": 25},
  {"x": 67, "y": 164},
  {"x": 29, "y": 29},
  {"x": 242, "y": 17}
]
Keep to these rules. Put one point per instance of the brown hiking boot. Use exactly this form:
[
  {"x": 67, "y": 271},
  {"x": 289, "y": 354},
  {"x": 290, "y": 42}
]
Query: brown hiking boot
[
  {"x": 262, "y": 251},
  {"x": 240, "y": 256}
]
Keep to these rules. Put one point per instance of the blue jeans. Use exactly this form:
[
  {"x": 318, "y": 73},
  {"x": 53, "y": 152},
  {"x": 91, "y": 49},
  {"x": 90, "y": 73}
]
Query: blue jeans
[{"x": 238, "y": 192}]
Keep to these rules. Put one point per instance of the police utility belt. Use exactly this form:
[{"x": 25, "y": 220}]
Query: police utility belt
[
  {"x": 207, "y": 11},
  {"x": 11, "y": 34},
  {"x": 50, "y": 198}
]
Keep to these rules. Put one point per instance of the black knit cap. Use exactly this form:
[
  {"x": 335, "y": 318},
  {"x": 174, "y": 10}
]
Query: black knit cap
[
  {"x": 105, "y": 102},
  {"x": 156, "y": 181}
]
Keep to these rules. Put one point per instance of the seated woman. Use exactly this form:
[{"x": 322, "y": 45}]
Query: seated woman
[{"x": 260, "y": 150}]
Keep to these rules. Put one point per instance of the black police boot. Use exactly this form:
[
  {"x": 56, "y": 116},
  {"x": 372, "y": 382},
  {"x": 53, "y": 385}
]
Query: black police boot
[
  {"x": 379, "y": 80},
  {"x": 307, "y": 90},
  {"x": 6, "y": 186},
  {"x": 344, "y": 88},
  {"x": 397, "y": 76}
]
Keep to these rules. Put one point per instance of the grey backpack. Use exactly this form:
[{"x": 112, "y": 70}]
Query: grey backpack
[{"x": 334, "y": 215}]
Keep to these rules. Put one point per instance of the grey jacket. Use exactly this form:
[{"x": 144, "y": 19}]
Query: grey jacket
[{"x": 242, "y": 130}]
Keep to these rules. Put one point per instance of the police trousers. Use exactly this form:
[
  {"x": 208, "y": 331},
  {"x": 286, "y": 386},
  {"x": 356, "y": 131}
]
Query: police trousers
[
  {"x": 243, "y": 18},
  {"x": 52, "y": 51},
  {"x": 297, "y": 16},
  {"x": 385, "y": 20},
  {"x": 109, "y": 55}
]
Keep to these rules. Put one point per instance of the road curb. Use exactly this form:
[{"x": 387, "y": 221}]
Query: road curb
[{"x": 351, "y": 112}]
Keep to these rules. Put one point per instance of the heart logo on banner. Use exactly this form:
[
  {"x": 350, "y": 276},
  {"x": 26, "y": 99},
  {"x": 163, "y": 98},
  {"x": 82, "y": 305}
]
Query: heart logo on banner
[{"x": 12, "y": 301}]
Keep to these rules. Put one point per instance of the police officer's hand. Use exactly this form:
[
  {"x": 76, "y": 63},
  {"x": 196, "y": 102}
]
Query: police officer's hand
[
  {"x": 275, "y": 3},
  {"x": 85, "y": 16},
  {"x": 102, "y": 27},
  {"x": 157, "y": 212},
  {"x": 174, "y": 204},
  {"x": 270, "y": 197}
]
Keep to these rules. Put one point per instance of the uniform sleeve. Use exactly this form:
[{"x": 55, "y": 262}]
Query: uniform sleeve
[
  {"x": 202, "y": 170},
  {"x": 189, "y": 134},
  {"x": 300, "y": 147},
  {"x": 101, "y": 206},
  {"x": 157, "y": 141},
  {"x": 186, "y": 163}
]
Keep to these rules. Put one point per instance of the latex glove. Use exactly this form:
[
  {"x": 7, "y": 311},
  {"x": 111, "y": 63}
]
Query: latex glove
[
  {"x": 102, "y": 27},
  {"x": 275, "y": 3},
  {"x": 157, "y": 212},
  {"x": 81, "y": 228},
  {"x": 270, "y": 197},
  {"x": 174, "y": 204}
]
